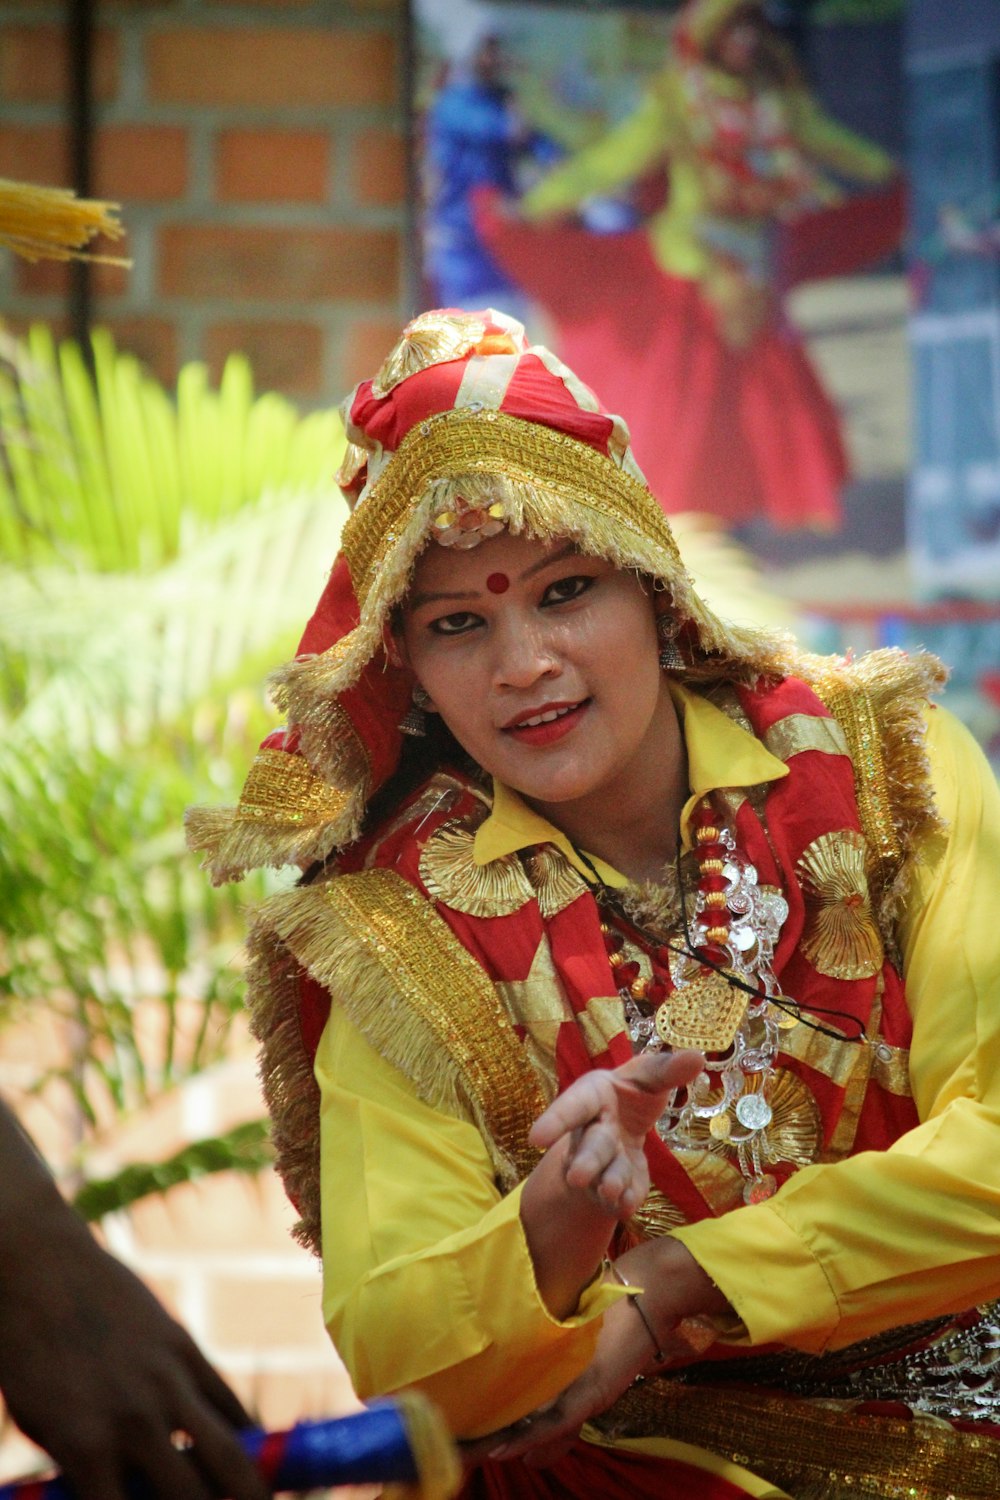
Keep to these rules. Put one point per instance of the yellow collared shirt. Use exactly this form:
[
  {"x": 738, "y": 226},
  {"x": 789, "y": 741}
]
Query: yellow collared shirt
[
  {"x": 719, "y": 754},
  {"x": 427, "y": 1278}
]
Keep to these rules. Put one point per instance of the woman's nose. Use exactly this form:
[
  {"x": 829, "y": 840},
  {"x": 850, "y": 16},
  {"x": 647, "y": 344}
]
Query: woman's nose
[{"x": 524, "y": 654}]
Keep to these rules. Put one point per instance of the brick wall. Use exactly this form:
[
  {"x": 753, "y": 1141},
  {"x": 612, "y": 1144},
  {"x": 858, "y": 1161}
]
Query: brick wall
[{"x": 257, "y": 150}]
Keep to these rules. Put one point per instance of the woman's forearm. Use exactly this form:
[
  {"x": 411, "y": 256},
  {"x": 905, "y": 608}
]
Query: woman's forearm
[{"x": 567, "y": 1230}]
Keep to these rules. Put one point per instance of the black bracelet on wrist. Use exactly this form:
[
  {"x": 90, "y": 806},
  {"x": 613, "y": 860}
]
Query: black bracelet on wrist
[{"x": 635, "y": 1297}]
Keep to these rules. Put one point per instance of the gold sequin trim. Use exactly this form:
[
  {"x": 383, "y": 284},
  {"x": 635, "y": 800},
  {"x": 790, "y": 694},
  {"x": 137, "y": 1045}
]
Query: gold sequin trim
[
  {"x": 282, "y": 788},
  {"x": 431, "y": 339},
  {"x": 799, "y": 732},
  {"x": 455, "y": 444},
  {"x": 840, "y": 938},
  {"x": 451, "y": 875},
  {"x": 853, "y": 709},
  {"x": 815, "y": 1452}
]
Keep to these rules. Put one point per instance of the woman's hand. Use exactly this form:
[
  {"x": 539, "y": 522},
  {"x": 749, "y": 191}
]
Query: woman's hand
[
  {"x": 594, "y": 1169},
  {"x": 675, "y": 1288},
  {"x": 604, "y": 1117}
]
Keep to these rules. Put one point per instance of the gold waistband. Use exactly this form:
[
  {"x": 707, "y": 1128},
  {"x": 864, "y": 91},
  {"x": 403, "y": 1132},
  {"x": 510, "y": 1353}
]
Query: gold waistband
[{"x": 814, "y": 1450}]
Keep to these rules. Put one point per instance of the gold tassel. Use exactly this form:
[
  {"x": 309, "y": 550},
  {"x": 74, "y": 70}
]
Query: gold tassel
[
  {"x": 435, "y": 1456},
  {"x": 44, "y": 223}
]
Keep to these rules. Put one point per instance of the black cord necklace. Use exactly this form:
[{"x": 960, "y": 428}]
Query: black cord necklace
[{"x": 605, "y": 896}]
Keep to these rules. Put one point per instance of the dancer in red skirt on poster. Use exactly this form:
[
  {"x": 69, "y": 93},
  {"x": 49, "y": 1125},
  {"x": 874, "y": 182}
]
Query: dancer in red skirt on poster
[{"x": 681, "y": 323}]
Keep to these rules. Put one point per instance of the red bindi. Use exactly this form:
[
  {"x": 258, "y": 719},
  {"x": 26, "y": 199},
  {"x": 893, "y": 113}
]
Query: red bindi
[{"x": 498, "y": 583}]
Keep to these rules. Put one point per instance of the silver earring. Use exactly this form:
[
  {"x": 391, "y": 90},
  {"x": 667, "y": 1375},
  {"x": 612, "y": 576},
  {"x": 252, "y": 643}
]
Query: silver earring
[
  {"x": 667, "y": 629},
  {"x": 414, "y": 721}
]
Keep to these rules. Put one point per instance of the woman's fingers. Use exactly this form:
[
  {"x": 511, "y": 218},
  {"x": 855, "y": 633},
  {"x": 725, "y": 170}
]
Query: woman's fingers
[
  {"x": 633, "y": 1091},
  {"x": 581, "y": 1103}
]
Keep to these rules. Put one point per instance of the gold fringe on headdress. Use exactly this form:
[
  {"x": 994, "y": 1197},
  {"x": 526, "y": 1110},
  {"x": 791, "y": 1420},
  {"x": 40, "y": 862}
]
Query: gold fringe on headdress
[
  {"x": 549, "y": 486},
  {"x": 287, "y": 813},
  {"x": 45, "y": 223}
]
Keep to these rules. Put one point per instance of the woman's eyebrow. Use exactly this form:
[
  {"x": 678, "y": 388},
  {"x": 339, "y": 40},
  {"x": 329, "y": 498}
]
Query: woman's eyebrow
[
  {"x": 415, "y": 601},
  {"x": 568, "y": 551}
]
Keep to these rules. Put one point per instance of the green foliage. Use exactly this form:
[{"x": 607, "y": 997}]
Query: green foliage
[
  {"x": 246, "y": 1148},
  {"x": 156, "y": 552}
]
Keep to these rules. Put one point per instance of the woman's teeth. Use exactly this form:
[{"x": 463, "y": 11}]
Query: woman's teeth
[{"x": 556, "y": 713}]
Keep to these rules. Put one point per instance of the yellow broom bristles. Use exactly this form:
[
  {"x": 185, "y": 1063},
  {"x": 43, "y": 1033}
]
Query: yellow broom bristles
[{"x": 43, "y": 223}]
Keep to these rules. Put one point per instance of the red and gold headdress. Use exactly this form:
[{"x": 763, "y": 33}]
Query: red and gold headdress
[{"x": 464, "y": 430}]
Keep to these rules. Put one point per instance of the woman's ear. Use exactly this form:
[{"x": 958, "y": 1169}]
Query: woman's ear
[{"x": 394, "y": 645}]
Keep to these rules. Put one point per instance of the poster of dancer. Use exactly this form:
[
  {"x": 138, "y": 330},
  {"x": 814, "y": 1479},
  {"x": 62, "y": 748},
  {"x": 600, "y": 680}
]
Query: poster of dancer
[{"x": 656, "y": 191}]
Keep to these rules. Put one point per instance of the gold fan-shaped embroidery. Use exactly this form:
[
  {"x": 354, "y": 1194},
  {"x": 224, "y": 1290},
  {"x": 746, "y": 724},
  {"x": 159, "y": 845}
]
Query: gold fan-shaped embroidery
[
  {"x": 431, "y": 339},
  {"x": 793, "y": 1132},
  {"x": 657, "y": 1216},
  {"x": 557, "y": 885},
  {"x": 451, "y": 875},
  {"x": 841, "y": 938}
]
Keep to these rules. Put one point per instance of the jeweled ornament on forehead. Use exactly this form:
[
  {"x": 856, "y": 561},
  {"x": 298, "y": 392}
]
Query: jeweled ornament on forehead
[{"x": 463, "y": 524}]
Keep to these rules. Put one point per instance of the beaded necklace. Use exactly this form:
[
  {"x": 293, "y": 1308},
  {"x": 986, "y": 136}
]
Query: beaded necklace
[{"x": 716, "y": 992}]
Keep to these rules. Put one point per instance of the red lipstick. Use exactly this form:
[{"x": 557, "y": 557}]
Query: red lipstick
[{"x": 565, "y": 718}]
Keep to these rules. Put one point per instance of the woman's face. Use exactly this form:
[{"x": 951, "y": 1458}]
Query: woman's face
[
  {"x": 737, "y": 47},
  {"x": 542, "y": 662}
]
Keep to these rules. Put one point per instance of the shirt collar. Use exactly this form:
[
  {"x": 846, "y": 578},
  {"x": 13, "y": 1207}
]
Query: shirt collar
[{"x": 720, "y": 753}]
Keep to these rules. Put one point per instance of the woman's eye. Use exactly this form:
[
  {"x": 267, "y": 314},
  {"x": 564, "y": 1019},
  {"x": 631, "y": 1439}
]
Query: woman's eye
[
  {"x": 456, "y": 624},
  {"x": 565, "y": 589}
]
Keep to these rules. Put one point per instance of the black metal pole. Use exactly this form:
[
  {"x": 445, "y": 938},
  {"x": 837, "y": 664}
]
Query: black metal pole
[{"x": 80, "y": 38}]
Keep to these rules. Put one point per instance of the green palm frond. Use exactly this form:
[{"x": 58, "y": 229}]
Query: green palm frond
[
  {"x": 155, "y": 552},
  {"x": 113, "y": 474},
  {"x": 246, "y": 1148},
  {"x": 93, "y": 656}
]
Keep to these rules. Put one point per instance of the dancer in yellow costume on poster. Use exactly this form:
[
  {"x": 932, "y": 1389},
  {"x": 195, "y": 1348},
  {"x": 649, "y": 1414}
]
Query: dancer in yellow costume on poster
[{"x": 681, "y": 323}]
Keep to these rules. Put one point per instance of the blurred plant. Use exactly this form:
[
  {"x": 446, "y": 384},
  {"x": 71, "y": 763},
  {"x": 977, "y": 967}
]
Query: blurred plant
[{"x": 154, "y": 555}]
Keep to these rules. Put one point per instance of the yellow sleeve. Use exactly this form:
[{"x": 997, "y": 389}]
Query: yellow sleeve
[
  {"x": 832, "y": 144},
  {"x": 427, "y": 1278},
  {"x": 620, "y": 156},
  {"x": 888, "y": 1238}
]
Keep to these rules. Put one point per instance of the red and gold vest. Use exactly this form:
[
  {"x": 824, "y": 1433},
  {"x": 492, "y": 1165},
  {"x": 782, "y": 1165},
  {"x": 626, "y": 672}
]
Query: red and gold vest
[{"x": 490, "y": 987}]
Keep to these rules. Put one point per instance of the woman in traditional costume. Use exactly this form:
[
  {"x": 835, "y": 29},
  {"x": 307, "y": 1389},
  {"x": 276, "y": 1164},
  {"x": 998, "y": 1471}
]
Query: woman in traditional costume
[
  {"x": 681, "y": 321},
  {"x": 601, "y": 892}
]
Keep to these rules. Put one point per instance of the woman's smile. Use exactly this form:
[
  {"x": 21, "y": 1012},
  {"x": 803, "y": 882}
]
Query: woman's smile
[{"x": 545, "y": 725}]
